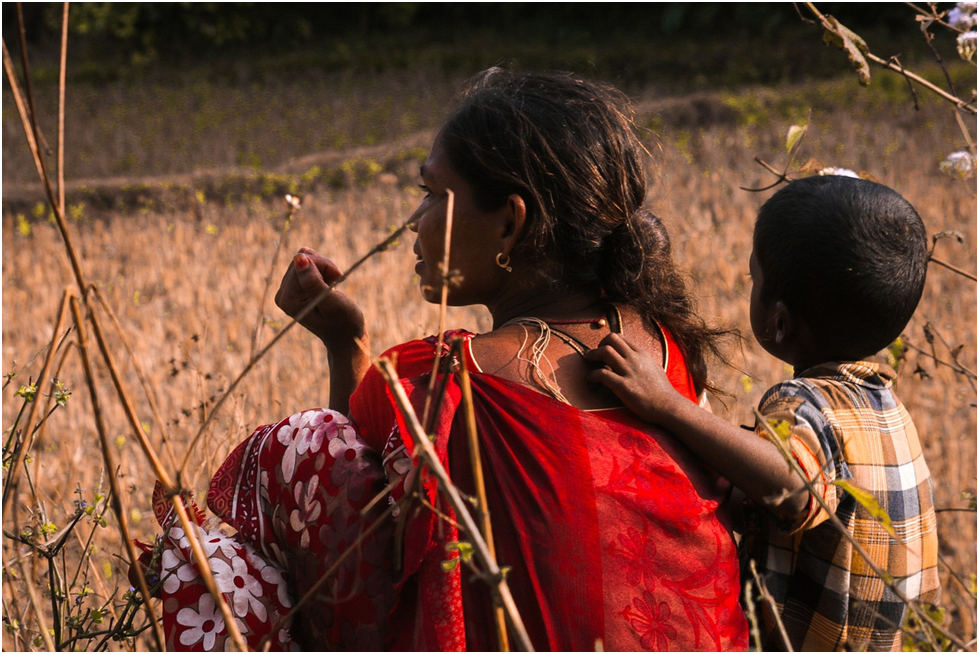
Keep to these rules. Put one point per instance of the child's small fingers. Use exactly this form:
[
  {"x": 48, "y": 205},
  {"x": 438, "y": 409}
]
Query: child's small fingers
[
  {"x": 608, "y": 356},
  {"x": 597, "y": 355},
  {"x": 619, "y": 343}
]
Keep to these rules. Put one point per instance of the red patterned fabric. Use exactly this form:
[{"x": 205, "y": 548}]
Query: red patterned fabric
[{"x": 609, "y": 527}]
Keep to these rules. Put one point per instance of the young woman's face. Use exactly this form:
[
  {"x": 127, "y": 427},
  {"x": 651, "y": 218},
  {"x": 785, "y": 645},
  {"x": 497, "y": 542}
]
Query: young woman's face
[{"x": 475, "y": 237}]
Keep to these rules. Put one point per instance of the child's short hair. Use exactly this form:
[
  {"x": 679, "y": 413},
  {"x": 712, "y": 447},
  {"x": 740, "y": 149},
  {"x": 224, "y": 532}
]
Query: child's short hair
[{"x": 846, "y": 255}]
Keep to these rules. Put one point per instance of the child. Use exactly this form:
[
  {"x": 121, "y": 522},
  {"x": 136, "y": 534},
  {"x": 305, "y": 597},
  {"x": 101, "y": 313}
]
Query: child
[{"x": 838, "y": 268}]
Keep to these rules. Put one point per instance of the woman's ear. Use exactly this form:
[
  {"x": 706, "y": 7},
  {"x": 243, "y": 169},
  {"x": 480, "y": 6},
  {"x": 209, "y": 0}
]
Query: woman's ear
[{"x": 514, "y": 220}]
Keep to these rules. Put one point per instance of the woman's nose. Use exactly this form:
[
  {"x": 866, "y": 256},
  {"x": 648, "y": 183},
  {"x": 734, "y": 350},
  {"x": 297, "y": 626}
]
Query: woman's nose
[{"x": 413, "y": 224}]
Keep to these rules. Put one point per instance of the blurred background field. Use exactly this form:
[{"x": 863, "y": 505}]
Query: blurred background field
[{"x": 178, "y": 165}]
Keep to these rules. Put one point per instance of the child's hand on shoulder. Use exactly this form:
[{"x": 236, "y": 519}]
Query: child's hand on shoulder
[{"x": 634, "y": 376}]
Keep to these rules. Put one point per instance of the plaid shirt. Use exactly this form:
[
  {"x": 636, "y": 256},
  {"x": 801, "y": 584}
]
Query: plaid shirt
[{"x": 847, "y": 424}]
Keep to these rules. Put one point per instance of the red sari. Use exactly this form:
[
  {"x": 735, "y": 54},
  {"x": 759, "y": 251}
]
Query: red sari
[{"x": 609, "y": 526}]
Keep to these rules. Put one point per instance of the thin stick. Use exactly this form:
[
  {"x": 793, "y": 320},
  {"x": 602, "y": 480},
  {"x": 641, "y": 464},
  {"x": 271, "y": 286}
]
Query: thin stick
[
  {"x": 8, "y": 66},
  {"x": 477, "y": 465},
  {"x": 959, "y": 368},
  {"x": 260, "y": 322},
  {"x": 204, "y": 568},
  {"x": 24, "y": 445},
  {"x": 25, "y": 63},
  {"x": 959, "y": 271},
  {"x": 61, "y": 108},
  {"x": 767, "y": 596},
  {"x": 331, "y": 570},
  {"x": 36, "y": 605},
  {"x": 15, "y": 634},
  {"x": 426, "y": 452},
  {"x": 961, "y": 104},
  {"x": 127, "y": 406},
  {"x": 148, "y": 389},
  {"x": 443, "y": 303},
  {"x": 380, "y": 247},
  {"x": 164, "y": 477},
  {"x": 110, "y": 465},
  {"x": 39, "y": 163}
]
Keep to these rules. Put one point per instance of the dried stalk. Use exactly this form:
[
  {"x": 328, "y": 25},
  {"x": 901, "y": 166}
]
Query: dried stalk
[
  {"x": 483, "y": 504},
  {"x": 329, "y": 572},
  {"x": 260, "y": 322},
  {"x": 443, "y": 302},
  {"x": 36, "y": 605},
  {"x": 110, "y": 465},
  {"x": 24, "y": 445},
  {"x": 949, "y": 266},
  {"x": 61, "y": 108},
  {"x": 426, "y": 452},
  {"x": 148, "y": 389},
  {"x": 958, "y": 102},
  {"x": 380, "y": 247},
  {"x": 767, "y": 596}
]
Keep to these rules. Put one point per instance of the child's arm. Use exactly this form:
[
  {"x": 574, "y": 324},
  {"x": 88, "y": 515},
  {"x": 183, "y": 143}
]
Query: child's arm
[{"x": 751, "y": 463}]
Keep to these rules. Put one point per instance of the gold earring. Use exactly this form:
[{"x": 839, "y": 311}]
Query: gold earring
[{"x": 504, "y": 263}]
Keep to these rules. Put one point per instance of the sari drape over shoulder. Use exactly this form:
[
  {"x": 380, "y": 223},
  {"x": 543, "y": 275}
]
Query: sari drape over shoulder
[{"x": 610, "y": 528}]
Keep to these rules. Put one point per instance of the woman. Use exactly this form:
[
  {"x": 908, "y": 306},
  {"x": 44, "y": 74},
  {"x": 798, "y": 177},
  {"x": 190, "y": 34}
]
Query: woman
[{"x": 609, "y": 527}]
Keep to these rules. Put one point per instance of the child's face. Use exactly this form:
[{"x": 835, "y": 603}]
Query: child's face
[{"x": 762, "y": 320}]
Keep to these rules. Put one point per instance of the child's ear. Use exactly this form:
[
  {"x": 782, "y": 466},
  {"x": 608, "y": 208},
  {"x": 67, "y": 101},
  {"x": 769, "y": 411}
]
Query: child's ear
[{"x": 783, "y": 323}]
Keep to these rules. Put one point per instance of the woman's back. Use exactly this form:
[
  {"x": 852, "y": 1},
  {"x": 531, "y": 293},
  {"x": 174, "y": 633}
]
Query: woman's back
[{"x": 609, "y": 527}]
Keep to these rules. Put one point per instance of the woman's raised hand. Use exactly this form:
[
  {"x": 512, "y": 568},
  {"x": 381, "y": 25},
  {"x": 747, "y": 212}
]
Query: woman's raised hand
[{"x": 336, "y": 319}]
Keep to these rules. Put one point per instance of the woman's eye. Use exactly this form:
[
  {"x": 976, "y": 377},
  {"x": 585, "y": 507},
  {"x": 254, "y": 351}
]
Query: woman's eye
[{"x": 428, "y": 191}]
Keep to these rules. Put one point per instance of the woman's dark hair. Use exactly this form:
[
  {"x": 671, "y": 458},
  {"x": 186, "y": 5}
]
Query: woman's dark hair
[
  {"x": 847, "y": 255},
  {"x": 568, "y": 147}
]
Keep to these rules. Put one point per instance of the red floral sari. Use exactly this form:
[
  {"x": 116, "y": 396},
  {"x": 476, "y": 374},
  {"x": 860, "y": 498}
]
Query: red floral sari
[{"x": 609, "y": 526}]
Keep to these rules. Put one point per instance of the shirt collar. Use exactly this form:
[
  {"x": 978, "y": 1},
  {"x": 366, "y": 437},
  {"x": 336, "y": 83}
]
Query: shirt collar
[{"x": 873, "y": 374}]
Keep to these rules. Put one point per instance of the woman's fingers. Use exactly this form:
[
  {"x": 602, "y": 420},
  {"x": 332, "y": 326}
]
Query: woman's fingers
[{"x": 335, "y": 317}]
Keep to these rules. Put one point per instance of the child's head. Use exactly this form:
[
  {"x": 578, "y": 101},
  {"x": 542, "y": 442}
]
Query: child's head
[{"x": 846, "y": 257}]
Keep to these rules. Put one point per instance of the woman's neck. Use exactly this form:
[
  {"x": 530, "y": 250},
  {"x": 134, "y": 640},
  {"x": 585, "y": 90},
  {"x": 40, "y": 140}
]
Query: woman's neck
[{"x": 547, "y": 304}]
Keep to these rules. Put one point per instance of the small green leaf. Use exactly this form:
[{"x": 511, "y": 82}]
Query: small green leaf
[
  {"x": 97, "y": 616},
  {"x": 781, "y": 428},
  {"x": 855, "y": 48},
  {"x": 796, "y": 132},
  {"x": 895, "y": 353},
  {"x": 28, "y": 392},
  {"x": 464, "y": 548},
  {"x": 450, "y": 564},
  {"x": 869, "y": 502}
]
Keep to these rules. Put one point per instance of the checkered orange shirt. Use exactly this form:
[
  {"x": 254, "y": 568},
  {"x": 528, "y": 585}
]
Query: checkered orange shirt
[{"x": 847, "y": 423}]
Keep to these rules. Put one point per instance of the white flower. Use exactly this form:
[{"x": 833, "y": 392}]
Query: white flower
[
  {"x": 958, "y": 164},
  {"x": 963, "y": 16},
  {"x": 842, "y": 172},
  {"x": 217, "y": 541},
  {"x": 271, "y": 574},
  {"x": 307, "y": 512},
  {"x": 175, "y": 571},
  {"x": 245, "y": 589},
  {"x": 204, "y": 624},
  {"x": 304, "y": 433},
  {"x": 967, "y": 45}
]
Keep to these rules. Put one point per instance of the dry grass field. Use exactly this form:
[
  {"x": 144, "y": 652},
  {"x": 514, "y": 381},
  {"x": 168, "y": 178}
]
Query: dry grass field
[{"x": 186, "y": 283}]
